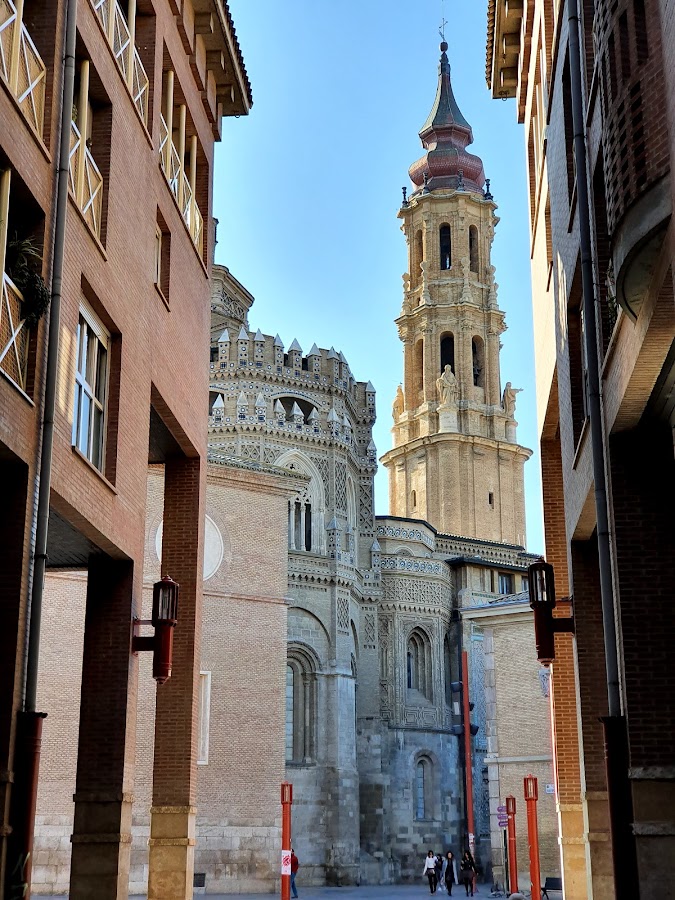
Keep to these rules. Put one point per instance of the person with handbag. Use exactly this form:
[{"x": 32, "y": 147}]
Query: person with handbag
[
  {"x": 430, "y": 871},
  {"x": 467, "y": 873},
  {"x": 449, "y": 874}
]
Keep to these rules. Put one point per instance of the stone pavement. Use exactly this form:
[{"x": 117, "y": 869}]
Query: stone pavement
[{"x": 370, "y": 892}]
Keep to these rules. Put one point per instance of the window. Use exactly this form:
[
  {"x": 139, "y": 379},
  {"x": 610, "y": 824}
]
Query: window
[
  {"x": 300, "y": 706},
  {"x": 446, "y": 254},
  {"x": 423, "y": 789},
  {"x": 413, "y": 499},
  {"x": 569, "y": 128},
  {"x": 473, "y": 248},
  {"x": 448, "y": 352},
  {"x": 204, "y": 716},
  {"x": 577, "y": 356},
  {"x": 91, "y": 382},
  {"x": 420, "y": 779},
  {"x": 417, "y": 257},
  {"x": 418, "y": 371},
  {"x": 478, "y": 361},
  {"x": 162, "y": 260},
  {"x": 419, "y": 663},
  {"x": 447, "y": 667},
  {"x": 505, "y": 583},
  {"x": 306, "y": 511}
]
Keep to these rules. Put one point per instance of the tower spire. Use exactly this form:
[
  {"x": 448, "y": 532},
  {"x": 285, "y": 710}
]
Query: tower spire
[{"x": 445, "y": 136}]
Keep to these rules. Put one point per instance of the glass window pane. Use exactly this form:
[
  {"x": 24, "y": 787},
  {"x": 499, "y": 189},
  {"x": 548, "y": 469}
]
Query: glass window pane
[
  {"x": 420, "y": 790},
  {"x": 102, "y": 367},
  {"x": 92, "y": 345},
  {"x": 97, "y": 438},
  {"x": 85, "y": 422}
]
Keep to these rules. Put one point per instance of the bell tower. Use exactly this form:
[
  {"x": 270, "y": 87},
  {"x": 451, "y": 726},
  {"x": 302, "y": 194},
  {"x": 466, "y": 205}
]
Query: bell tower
[{"x": 456, "y": 461}]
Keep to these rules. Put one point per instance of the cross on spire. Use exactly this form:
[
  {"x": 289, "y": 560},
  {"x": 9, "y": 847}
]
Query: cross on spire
[{"x": 441, "y": 30}]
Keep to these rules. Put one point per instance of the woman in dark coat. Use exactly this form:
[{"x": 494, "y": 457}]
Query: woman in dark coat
[{"x": 467, "y": 873}]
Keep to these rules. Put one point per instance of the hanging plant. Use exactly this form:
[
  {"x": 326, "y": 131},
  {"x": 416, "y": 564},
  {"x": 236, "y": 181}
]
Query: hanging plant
[{"x": 23, "y": 262}]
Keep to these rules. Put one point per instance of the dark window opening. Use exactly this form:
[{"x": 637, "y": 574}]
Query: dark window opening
[
  {"x": 448, "y": 352},
  {"x": 446, "y": 249},
  {"x": 569, "y": 127},
  {"x": 473, "y": 248},
  {"x": 478, "y": 362}
]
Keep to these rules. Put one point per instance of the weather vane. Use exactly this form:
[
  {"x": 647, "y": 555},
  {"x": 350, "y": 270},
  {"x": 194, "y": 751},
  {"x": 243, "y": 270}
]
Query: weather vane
[{"x": 444, "y": 21}]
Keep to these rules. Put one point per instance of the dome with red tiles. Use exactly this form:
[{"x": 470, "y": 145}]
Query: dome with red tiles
[{"x": 446, "y": 164}]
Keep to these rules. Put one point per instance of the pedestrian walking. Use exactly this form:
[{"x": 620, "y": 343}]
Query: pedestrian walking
[
  {"x": 295, "y": 865},
  {"x": 467, "y": 873},
  {"x": 430, "y": 871},
  {"x": 449, "y": 872},
  {"x": 439, "y": 871}
]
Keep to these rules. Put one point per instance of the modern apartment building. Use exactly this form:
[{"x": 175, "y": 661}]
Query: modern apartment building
[
  {"x": 109, "y": 110},
  {"x": 594, "y": 84}
]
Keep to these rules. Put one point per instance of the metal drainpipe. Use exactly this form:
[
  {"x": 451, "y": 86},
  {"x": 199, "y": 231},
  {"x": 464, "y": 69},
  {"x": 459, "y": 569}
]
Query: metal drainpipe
[
  {"x": 29, "y": 721},
  {"x": 616, "y": 738}
]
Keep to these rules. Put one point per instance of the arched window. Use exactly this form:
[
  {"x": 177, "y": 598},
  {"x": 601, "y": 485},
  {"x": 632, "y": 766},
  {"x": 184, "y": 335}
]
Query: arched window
[
  {"x": 423, "y": 792},
  {"x": 473, "y": 248},
  {"x": 445, "y": 246},
  {"x": 419, "y": 663},
  {"x": 413, "y": 499},
  {"x": 478, "y": 362},
  {"x": 448, "y": 352},
  {"x": 306, "y": 511},
  {"x": 300, "y": 707},
  {"x": 418, "y": 370},
  {"x": 420, "y": 805},
  {"x": 447, "y": 670},
  {"x": 417, "y": 257}
]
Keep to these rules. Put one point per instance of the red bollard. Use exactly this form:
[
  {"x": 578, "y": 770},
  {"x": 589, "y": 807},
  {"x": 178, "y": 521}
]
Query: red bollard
[
  {"x": 511, "y": 836},
  {"x": 286, "y": 803},
  {"x": 531, "y": 797}
]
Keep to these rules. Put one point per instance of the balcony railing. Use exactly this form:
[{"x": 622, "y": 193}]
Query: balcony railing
[
  {"x": 21, "y": 66},
  {"x": 175, "y": 175},
  {"x": 13, "y": 334},
  {"x": 86, "y": 182},
  {"x": 124, "y": 50}
]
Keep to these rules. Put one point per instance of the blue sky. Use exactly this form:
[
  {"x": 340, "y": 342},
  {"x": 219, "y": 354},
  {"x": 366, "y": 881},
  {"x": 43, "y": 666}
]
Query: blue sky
[{"x": 308, "y": 186}]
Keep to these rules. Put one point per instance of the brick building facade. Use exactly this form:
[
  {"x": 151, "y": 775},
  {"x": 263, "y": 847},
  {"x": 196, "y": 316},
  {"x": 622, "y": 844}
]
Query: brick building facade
[
  {"x": 595, "y": 90},
  {"x": 106, "y": 168}
]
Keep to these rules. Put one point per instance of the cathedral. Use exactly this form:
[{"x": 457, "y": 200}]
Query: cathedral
[{"x": 332, "y": 638}]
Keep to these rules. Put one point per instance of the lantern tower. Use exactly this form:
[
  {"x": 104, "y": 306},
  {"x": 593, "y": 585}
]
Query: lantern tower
[{"x": 455, "y": 461}]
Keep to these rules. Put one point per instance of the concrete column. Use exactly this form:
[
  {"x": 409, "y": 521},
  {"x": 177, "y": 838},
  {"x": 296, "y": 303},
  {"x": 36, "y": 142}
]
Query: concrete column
[
  {"x": 105, "y": 758},
  {"x": 173, "y": 813}
]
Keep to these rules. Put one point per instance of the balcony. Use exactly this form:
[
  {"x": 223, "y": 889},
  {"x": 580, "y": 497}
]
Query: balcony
[
  {"x": 180, "y": 186},
  {"x": 21, "y": 66},
  {"x": 86, "y": 182},
  {"x": 121, "y": 39},
  {"x": 13, "y": 334}
]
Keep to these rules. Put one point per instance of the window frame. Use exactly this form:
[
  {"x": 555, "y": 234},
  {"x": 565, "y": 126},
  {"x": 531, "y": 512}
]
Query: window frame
[{"x": 84, "y": 388}]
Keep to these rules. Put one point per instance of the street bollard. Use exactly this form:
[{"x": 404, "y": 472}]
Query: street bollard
[
  {"x": 286, "y": 803},
  {"x": 511, "y": 836},
  {"x": 531, "y": 797}
]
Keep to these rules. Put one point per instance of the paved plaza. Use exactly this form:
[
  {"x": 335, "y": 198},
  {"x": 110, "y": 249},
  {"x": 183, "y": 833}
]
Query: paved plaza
[{"x": 371, "y": 892}]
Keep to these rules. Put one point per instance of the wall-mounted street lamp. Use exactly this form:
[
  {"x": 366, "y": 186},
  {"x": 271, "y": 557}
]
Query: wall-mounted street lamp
[
  {"x": 164, "y": 619},
  {"x": 541, "y": 584}
]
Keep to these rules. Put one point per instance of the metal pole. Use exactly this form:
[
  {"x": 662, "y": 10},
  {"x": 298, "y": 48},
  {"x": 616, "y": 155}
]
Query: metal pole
[
  {"x": 531, "y": 797},
  {"x": 468, "y": 772},
  {"x": 286, "y": 803},
  {"x": 511, "y": 839},
  {"x": 616, "y": 737}
]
